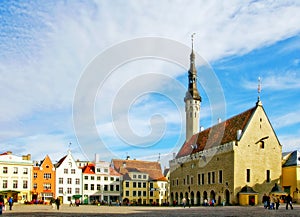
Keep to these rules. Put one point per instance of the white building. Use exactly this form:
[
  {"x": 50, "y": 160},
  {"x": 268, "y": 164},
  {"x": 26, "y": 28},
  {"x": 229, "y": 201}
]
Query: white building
[
  {"x": 101, "y": 183},
  {"x": 15, "y": 179},
  {"x": 68, "y": 179}
]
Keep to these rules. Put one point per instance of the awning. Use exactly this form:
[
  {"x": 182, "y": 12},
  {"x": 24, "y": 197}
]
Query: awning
[
  {"x": 76, "y": 196},
  {"x": 9, "y": 191}
]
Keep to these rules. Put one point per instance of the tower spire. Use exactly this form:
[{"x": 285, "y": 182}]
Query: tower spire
[
  {"x": 258, "y": 91},
  {"x": 192, "y": 98}
]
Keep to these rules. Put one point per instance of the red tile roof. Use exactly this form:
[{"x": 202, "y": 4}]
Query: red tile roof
[
  {"x": 89, "y": 169},
  {"x": 216, "y": 135},
  {"x": 152, "y": 168}
]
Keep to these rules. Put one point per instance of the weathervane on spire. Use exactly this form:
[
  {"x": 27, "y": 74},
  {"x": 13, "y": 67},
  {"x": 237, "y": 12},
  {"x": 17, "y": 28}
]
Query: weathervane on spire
[
  {"x": 192, "y": 36},
  {"x": 259, "y": 88}
]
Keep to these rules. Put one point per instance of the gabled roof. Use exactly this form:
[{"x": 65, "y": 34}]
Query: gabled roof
[
  {"x": 152, "y": 168},
  {"x": 60, "y": 161},
  {"x": 216, "y": 135},
  {"x": 292, "y": 160}
]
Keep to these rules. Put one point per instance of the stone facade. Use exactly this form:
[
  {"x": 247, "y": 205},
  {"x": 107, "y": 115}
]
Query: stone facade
[{"x": 218, "y": 162}]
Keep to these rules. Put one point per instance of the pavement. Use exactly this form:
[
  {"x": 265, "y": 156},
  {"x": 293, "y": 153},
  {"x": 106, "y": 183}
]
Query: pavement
[{"x": 112, "y": 211}]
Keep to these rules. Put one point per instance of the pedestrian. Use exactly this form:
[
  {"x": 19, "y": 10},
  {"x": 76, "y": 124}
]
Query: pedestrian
[
  {"x": 57, "y": 202},
  {"x": 272, "y": 202},
  {"x": 189, "y": 202},
  {"x": 277, "y": 202},
  {"x": 289, "y": 201},
  {"x": 184, "y": 202},
  {"x": 1, "y": 204},
  {"x": 10, "y": 203},
  {"x": 265, "y": 201}
]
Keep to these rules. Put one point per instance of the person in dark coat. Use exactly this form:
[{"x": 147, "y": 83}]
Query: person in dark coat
[
  {"x": 1, "y": 204},
  {"x": 57, "y": 202},
  {"x": 289, "y": 201}
]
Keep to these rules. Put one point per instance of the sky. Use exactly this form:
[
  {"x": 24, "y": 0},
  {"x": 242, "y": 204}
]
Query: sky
[{"x": 109, "y": 77}]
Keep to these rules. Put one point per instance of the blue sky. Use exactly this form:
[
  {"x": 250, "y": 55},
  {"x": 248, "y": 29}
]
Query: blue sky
[{"x": 47, "y": 47}]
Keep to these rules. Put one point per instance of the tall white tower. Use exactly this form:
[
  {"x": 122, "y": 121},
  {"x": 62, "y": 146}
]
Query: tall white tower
[{"x": 192, "y": 99}]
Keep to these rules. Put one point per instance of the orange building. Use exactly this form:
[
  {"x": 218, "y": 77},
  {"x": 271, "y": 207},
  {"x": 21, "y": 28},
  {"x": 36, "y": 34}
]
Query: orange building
[{"x": 43, "y": 180}]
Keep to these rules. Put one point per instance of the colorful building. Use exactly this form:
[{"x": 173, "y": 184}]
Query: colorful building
[
  {"x": 43, "y": 180},
  {"x": 143, "y": 182},
  {"x": 101, "y": 183},
  {"x": 16, "y": 176},
  {"x": 291, "y": 174}
]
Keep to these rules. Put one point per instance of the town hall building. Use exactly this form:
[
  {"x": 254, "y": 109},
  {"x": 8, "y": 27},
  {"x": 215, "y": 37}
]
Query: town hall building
[{"x": 236, "y": 161}]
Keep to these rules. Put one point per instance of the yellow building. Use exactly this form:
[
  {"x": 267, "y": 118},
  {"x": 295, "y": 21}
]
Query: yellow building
[
  {"x": 143, "y": 182},
  {"x": 217, "y": 163},
  {"x": 291, "y": 174}
]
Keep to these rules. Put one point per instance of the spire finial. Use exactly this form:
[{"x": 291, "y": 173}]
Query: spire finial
[
  {"x": 192, "y": 37},
  {"x": 258, "y": 88}
]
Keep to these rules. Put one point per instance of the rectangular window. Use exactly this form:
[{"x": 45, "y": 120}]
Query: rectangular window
[
  {"x": 34, "y": 175},
  {"x": 177, "y": 182},
  {"x": 134, "y": 193},
  {"x": 106, "y": 170},
  {"x": 220, "y": 176},
  {"x": 117, "y": 179},
  {"x": 25, "y": 170},
  {"x": 144, "y": 184},
  {"x": 60, "y": 190},
  {"x": 127, "y": 184},
  {"x": 15, "y": 170},
  {"x": 268, "y": 178},
  {"x": 139, "y": 193},
  {"x": 69, "y": 181},
  {"x": 98, "y": 187},
  {"x": 112, "y": 179},
  {"x": 144, "y": 193},
  {"x": 47, "y": 186},
  {"x": 192, "y": 180},
  {"x": 199, "y": 179},
  {"x": 202, "y": 178},
  {"x": 105, "y": 178},
  {"x": 127, "y": 193},
  {"x": 208, "y": 178},
  {"x": 72, "y": 171},
  {"x": 184, "y": 181},
  {"x": 151, "y": 185},
  {"x": 86, "y": 177},
  {"x": 86, "y": 187},
  {"x": 144, "y": 176},
  {"x": 47, "y": 175},
  {"x": 139, "y": 176},
  {"x": 139, "y": 184},
  {"x": 98, "y": 178},
  {"x": 212, "y": 177},
  {"x": 98, "y": 170},
  {"x": 5, "y": 170},
  {"x": 117, "y": 187},
  {"x": 25, "y": 184},
  {"x": 35, "y": 185},
  {"x": 4, "y": 184},
  {"x": 77, "y": 181},
  {"x": 105, "y": 187},
  {"x": 77, "y": 191},
  {"x": 65, "y": 171},
  {"x": 134, "y": 184},
  {"x": 151, "y": 194},
  {"x": 69, "y": 190},
  {"x": 92, "y": 177},
  {"x": 92, "y": 187},
  {"x": 15, "y": 183},
  {"x": 60, "y": 180},
  {"x": 111, "y": 187},
  {"x": 248, "y": 175}
]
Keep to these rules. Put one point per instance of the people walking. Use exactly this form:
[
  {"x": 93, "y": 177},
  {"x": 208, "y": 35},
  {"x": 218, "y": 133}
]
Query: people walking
[
  {"x": 184, "y": 202},
  {"x": 289, "y": 201},
  {"x": 10, "y": 203},
  {"x": 1, "y": 204},
  {"x": 57, "y": 202}
]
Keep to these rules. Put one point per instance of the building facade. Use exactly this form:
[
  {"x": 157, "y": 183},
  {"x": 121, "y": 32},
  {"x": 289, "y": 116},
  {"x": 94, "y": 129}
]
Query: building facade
[
  {"x": 43, "y": 180},
  {"x": 233, "y": 162},
  {"x": 101, "y": 183},
  {"x": 291, "y": 174},
  {"x": 143, "y": 182},
  {"x": 68, "y": 179},
  {"x": 16, "y": 176}
]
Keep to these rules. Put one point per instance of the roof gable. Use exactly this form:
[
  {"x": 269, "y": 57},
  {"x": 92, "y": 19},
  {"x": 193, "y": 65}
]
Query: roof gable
[{"x": 292, "y": 160}]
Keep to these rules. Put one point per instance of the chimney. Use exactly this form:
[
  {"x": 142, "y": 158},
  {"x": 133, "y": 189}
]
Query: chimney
[
  {"x": 97, "y": 158},
  {"x": 26, "y": 157}
]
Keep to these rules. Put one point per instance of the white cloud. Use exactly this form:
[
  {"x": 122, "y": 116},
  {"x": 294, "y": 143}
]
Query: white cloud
[{"x": 45, "y": 49}]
